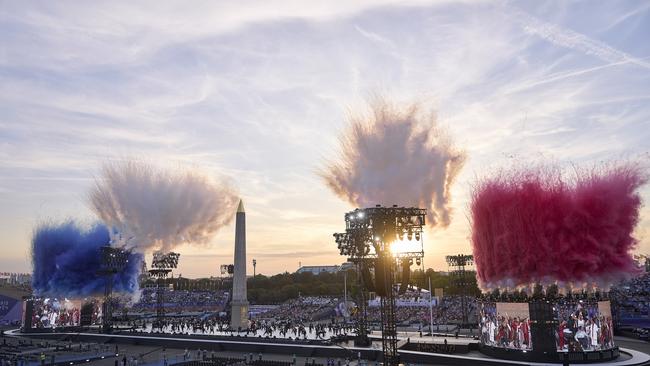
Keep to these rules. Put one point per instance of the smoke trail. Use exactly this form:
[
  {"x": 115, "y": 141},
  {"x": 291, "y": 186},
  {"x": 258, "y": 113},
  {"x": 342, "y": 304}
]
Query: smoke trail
[
  {"x": 532, "y": 226},
  {"x": 396, "y": 156},
  {"x": 66, "y": 259},
  {"x": 151, "y": 208}
]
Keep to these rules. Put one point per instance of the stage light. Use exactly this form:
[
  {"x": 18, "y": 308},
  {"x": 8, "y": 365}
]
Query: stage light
[
  {"x": 165, "y": 260},
  {"x": 404, "y": 246},
  {"x": 417, "y": 236},
  {"x": 377, "y": 235}
]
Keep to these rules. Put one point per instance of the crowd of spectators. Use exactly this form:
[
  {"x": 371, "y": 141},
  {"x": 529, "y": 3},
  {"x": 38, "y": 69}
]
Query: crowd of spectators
[
  {"x": 447, "y": 311},
  {"x": 632, "y": 297},
  {"x": 309, "y": 309},
  {"x": 303, "y": 309},
  {"x": 182, "y": 301}
]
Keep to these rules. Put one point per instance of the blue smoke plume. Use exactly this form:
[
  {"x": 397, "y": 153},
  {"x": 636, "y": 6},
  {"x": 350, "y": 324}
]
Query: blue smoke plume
[{"x": 66, "y": 259}]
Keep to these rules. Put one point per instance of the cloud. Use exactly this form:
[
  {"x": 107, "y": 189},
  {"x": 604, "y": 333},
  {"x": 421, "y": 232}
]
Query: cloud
[
  {"x": 568, "y": 38},
  {"x": 260, "y": 92}
]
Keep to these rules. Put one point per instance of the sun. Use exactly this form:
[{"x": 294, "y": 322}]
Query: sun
[{"x": 405, "y": 246}]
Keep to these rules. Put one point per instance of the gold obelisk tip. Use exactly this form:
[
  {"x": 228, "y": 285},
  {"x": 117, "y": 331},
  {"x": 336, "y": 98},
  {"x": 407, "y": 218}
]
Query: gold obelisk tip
[{"x": 241, "y": 206}]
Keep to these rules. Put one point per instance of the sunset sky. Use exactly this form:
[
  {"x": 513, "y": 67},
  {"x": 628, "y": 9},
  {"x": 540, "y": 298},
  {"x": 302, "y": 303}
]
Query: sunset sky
[{"x": 259, "y": 91}]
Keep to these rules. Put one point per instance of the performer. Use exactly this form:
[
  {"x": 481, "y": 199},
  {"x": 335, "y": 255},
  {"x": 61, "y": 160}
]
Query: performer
[
  {"x": 525, "y": 329},
  {"x": 560, "y": 335},
  {"x": 484, "y": 329},
  {"x": 581, "y": 337},
  {"x": 593, "y": 333},
  {"x": 502, "y": 337},
  {"x": 492, "y": 328},
  {"x": 514, "y": 333}
]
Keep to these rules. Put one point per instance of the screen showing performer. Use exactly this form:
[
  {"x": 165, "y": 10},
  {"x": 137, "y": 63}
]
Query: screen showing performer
[
  {"x": 584, "y": 326},
  {"x": 53, "y": 313},
  {"x": 506, "y": 325}
]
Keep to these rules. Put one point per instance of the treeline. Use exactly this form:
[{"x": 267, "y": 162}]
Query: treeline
[{"x": 285, "y": 286}]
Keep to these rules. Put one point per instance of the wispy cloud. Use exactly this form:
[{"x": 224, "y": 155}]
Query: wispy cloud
[
  {"x": 568, "y": 38},
  {"x": 260, "y": 92}
]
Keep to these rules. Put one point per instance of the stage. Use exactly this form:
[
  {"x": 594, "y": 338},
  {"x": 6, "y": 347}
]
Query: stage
[{"x": 407, "y": 347}]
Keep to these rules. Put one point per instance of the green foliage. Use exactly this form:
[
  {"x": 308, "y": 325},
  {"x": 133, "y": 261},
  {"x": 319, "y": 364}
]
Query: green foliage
[
  {"x": 285, "y": 286},
  {"x": 444, "y": 280}
]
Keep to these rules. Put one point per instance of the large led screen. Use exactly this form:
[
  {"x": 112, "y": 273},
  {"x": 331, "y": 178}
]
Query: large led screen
[
  {"x": 53, "y": 313},
  {"x": 584, "y": 326},
  {"x": 506, "y": 325}
]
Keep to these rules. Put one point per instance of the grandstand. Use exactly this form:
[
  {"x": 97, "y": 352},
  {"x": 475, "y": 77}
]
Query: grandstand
[
  {"x": 631, "y": 302},
  {"x": 11, "y": 303}
]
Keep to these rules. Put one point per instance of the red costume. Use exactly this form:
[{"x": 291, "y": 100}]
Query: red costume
[{"x": 561, "y": 335}]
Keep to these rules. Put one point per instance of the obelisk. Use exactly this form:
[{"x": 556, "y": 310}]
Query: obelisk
[{"x": 239, "y": 310}]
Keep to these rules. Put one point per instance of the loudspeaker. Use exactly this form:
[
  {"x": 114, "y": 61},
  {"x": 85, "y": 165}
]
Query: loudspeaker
[
  {"x": 542, "y": 326},
  {"x": 380, "y": 277},
  {"x": 28, "y": 313},
  {"x": 367, "y": 278},
  {"x": 541, "y": 311},
  {"x": 406, "y": 276},
  {"x": 86, "y": 314}
]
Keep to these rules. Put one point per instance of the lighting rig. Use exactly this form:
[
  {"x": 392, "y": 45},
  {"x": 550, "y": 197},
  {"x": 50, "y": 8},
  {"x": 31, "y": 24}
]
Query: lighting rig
[
  {"x": 459, "y": 277},
  {"x": 161, "y": 265},
  {"x": 113, "y": 261},
  {"x": 369, "y": 240},
  {"x": 227, "y": 269},
  {"x": 352, "y": 246}
]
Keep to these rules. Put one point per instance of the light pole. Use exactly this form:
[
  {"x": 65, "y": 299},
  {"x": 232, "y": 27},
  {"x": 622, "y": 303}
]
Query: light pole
[
  {"x": 254, "y": 265},
  {"x": 430, "y": 309},
  {"x": 345, "y": 289}
]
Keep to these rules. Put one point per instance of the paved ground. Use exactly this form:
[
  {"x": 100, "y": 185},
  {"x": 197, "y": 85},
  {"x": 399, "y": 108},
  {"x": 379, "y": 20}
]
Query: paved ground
[{"x": 156, "y": 356}]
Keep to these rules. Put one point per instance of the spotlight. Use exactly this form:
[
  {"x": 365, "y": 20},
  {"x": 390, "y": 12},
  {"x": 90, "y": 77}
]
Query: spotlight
[
  {"x": 417, "y": 236},
  {"x": 360, "y": 215},
  {"x": 418, "y": 261}
]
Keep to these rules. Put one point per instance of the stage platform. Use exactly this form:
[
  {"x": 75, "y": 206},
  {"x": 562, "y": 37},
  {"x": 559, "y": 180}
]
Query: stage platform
[{"x": 407, "y": 351}]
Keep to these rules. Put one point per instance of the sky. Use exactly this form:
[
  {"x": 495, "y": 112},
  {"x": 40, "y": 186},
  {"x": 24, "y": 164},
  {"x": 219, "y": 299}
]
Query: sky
[{"x": 259, "y": 91}]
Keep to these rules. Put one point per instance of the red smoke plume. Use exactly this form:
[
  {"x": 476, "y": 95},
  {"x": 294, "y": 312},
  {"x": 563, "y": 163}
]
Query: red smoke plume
[{"x": 533, "y": 227}]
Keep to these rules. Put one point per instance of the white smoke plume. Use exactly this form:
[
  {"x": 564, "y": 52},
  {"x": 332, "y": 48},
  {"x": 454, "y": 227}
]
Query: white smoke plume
[
  {"x": 396, "y": 156},
  {"x": 149, "y": 208}
]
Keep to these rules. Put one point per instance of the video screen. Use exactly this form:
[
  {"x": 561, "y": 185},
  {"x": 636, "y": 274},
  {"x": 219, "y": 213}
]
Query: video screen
[
  {"x": 53, "y": 313},
  {"x": 506, "y": 325},
  {"x": 584, "y": 326}
]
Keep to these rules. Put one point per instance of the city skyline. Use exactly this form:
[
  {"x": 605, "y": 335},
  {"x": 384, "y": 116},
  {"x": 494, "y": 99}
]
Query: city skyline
[{"x": 260, "y": 94}]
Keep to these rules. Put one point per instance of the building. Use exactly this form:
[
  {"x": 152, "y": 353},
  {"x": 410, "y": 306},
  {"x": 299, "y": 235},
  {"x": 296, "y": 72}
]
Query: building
[
  {"x": 15, "y": 279},
  {"x": 316, "y": 270}
]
